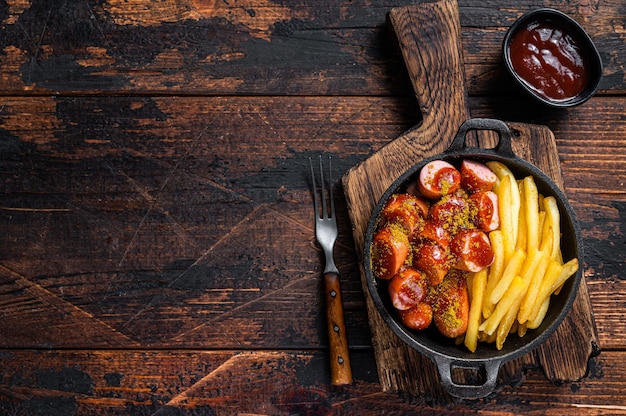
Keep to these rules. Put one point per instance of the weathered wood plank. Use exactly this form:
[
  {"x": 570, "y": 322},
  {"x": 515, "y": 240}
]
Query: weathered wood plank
[
  {"x": 201, "y": 47},
  {"x": 144, "y": 214},
  {"x": 273, "y": 382},
  {"x": 131, "y": 210}
]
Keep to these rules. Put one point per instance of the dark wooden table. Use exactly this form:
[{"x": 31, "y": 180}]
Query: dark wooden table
[{"x": 157, "y": 253}]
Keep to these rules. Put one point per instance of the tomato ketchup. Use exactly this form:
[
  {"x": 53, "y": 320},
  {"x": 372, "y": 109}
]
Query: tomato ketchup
[{"x": 550, "y": 60}]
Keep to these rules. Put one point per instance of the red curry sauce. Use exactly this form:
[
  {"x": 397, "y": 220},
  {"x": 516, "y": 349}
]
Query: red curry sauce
[{"x": 549, "y": 60}]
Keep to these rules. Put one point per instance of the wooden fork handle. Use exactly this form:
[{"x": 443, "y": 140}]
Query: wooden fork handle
[{"x": 340, "y": 371}]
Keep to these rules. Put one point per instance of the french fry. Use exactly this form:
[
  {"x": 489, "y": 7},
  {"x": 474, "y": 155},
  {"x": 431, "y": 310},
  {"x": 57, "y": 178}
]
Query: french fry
[
  {"x": 507, "y": 322},
  {"x": 569, "y": 269},
  {"x": 506, "y": 218},
  {"x": 547, "y": 240},
  {"x": 531, "y": 213},
  {"x": 511, "y": 296},
  {"x": 536, "y": 278},
  {"x": 530, "y": 265},
  {"x": 543, "y": 309},
  {"x": 502, "y": 171},
  {"x": 511, "y": 270},
  {"x": 469, "y": 279},
  {"x": 553, "y": 271},
  {"x": 522, "y": 227},
  {"x": 553, "y": 219},
  {"x": 541, "y": 219},
  {"x": 495, "y": 270},
  {"x": 478, "y": 284}
]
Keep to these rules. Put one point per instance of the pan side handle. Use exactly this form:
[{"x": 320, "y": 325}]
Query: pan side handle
[
  {"x": 490, "y": 368},
  {"x": 503, "y": 146}
]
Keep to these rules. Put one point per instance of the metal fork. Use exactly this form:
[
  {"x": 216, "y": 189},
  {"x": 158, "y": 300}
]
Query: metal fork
[{"x": 326, "y": 234}]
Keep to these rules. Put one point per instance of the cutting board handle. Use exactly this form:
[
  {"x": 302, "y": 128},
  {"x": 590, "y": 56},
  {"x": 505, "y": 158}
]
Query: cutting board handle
[{"x": 429, "y": 35}]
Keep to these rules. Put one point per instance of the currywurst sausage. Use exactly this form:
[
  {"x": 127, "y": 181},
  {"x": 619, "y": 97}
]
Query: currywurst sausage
[
  {"x": 438, "y": 178},
  {"x": 476, "y": 177},
  {"x": 407, "y": 288},
  {"x": 451, "y": 304},
  {"x": 429, "y": 237},
  {"x": 472, "y": 250}
]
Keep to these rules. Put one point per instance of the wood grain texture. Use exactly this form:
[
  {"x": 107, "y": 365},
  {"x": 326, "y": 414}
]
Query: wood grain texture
[
  {"x": 273, "y": 382},
  {"x": 62, "y": 230},
  {"x": 252, "y": 47},
  {"x": 147, "y": 149},
  {"x": 431, "y": 51}
]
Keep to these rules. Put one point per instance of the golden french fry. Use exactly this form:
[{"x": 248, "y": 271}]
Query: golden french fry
[
  {"x": 559, "y": 259},
  {"x": 541, "y": 217},
  {"x": 512, "y": 295},
  {"x": 502, "y": 171},
  {"x": 470, "y": 285},
  {"x": 506, "y": 219},
  {"x": 478, "y": 283},
  {"x": 511, "y": 270},
  {"x": 531, "y": 213},
  {"x": 536, "y": 278},
  {"x": 530, "y": 265},
  {"x": 507, "y": 322},
  {"x": 522, "y": 225},
  {"x": 543, "y": 309},
  {"x": 553, "y": 218},
  {"x": 552, "y": 273},
  {"x": 495, "y": 270},
  {"x": 547, "y": 240},
  {"x": 569, "y": 269}
]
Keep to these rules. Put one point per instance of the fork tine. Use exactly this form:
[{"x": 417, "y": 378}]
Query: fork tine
[
  {"x": 323, "y": 213},
  {"x": 330, "y": 187},
  {"x": 324, "y": 206},
  {"x": 315, "y": 197}
]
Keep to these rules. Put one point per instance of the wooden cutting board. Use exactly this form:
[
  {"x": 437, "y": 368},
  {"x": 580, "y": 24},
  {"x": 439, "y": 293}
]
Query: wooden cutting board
[{"x": 430, "y": 41}]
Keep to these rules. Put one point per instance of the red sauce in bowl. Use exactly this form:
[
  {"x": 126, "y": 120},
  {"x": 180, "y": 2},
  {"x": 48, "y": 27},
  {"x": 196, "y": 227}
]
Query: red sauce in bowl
[{"x": 549, "y": 60}]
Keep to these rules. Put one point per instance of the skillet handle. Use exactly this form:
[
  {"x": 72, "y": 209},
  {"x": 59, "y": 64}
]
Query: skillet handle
[
  {"x": 503, "y": 148},
  {"x": 445, "y": 366}
]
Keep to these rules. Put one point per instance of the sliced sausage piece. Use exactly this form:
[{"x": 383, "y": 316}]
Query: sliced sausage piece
[
  {"x": 472, "y": 250},
  {"x": 390, "y": 249},
  {"x": 405, "y": 210},
  {"x": 487, "y": 216},
  {"x": 431, "y": 232},
  {"x": 453, "y": 213},
  {"x": 438, "y": 178},
  {"x": 407, "y": 288},
  {"x": 451, "y": 305},
  {"x": 408, "y": 201},
  {"x": 434, "y": 260},
  {"x": 476, "y": 177},
  {"x": 419, "y": 317}
]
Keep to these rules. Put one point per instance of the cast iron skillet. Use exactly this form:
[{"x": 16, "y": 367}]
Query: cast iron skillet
[{"x": 487, "y": 359}]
